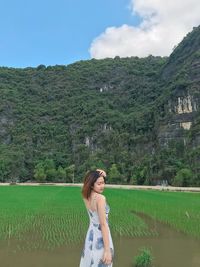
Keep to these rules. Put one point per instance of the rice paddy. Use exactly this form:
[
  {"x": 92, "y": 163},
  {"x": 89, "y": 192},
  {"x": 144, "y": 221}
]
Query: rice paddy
[{"x": 46, "y": 217}]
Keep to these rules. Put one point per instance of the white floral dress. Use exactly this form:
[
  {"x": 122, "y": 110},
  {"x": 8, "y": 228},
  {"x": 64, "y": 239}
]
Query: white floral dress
[{"x": 94, "y": 247}]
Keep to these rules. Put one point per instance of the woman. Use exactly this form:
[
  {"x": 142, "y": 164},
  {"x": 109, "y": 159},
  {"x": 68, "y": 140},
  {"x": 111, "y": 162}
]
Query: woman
[{"x": 98, "y": 249}]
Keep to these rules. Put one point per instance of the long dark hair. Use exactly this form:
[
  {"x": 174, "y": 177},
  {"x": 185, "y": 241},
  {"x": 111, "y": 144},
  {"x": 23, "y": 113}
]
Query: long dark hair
[{"x": 88, "y": 182}]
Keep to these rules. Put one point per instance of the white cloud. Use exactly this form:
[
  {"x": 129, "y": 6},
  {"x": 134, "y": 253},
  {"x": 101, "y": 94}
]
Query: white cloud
[{"x": 164, "y": 24}]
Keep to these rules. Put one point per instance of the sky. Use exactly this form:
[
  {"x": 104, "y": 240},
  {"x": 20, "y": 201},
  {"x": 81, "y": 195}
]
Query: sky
[{"x": 60, "y": 32}]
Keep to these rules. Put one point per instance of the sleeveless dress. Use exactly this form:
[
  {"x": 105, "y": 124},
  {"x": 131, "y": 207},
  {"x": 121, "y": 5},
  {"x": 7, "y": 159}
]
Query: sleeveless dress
[{"x": 94, "y": 247}]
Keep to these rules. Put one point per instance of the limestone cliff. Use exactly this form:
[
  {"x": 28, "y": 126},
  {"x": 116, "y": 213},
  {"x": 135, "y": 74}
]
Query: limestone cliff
[{"x": 182, "y": 75}]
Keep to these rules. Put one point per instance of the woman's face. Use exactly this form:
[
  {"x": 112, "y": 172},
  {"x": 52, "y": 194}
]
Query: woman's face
[{"x": 99, "y": 185}]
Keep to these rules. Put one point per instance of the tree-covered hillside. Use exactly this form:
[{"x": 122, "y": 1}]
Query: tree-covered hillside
[{"x": 56, "y": 122}]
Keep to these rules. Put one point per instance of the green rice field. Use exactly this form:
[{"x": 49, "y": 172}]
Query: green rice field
[{"x": 51, "y": 216}]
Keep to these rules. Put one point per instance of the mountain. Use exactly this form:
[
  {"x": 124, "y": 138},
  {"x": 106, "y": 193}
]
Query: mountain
[{"x": 136, "y": 117}]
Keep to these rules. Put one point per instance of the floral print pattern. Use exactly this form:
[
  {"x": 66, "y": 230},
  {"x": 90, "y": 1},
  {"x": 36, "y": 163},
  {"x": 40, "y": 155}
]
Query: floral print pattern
[{"x": 92, "y": 252}]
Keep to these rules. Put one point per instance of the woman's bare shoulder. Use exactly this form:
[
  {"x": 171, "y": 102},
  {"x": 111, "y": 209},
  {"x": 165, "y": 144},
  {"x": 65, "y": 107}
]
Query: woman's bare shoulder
[{"x": 100, "y": 198}]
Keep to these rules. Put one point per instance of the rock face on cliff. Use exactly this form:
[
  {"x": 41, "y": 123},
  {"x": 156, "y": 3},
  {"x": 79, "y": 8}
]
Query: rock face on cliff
[{"x": 182, "y": 114}]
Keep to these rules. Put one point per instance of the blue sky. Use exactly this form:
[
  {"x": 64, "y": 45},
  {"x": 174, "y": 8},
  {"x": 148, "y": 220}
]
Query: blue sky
[
  {"x": 51, "y": 32},
  {"x": 54, "y": 32}
]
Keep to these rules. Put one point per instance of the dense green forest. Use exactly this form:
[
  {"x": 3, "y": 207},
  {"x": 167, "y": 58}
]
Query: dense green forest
[{"x": 137, "y": 118}]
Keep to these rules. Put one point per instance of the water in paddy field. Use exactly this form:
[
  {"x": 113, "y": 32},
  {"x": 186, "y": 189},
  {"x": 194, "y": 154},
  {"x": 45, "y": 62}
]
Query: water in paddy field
[{"x": 170, "y": 249}]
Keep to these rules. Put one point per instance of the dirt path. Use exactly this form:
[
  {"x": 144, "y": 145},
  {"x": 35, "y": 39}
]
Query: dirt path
[{"x": 139, "y": 187}]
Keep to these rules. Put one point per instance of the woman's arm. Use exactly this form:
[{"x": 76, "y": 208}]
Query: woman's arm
[
  {"x": 107, "y": 256},
  {"x": 102, "y": 172}
]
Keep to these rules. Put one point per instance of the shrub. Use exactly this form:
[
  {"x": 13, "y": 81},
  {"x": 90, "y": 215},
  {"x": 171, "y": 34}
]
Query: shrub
[
  {"x": 144, "y": 259},
  {"x": 183, "y": 177}
]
